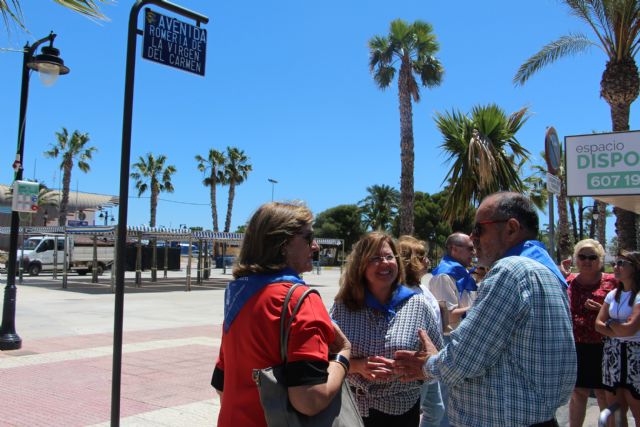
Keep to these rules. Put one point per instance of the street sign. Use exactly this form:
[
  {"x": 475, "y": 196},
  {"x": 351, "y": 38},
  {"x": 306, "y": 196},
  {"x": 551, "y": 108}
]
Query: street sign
[
  {"x": 76, "y": 223},
  {"x": 553, "y": 184},
  {"x": 552, "y": 151},
  {"x": 25, "y": 196},
  {"x": 172, "y": 42}
]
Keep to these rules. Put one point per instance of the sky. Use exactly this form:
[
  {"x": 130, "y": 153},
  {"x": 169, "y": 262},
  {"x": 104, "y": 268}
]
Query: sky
[{"x": 288, "y": 82}]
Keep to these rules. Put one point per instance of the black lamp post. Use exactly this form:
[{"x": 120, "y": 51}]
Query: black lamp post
[
  {"x": 273, "y": 184},
  {"x": 49, "y": 63},
  {"x": 594, "y": 218},
  {"x": 105, "y": 215}
]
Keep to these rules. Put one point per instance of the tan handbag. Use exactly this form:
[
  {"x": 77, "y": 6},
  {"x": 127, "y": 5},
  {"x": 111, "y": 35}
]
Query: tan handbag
[{"x": 341, "y": 412}]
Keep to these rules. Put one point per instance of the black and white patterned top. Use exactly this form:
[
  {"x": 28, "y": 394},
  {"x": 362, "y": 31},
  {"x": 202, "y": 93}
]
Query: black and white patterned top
[{"x": 372, "y": 335}]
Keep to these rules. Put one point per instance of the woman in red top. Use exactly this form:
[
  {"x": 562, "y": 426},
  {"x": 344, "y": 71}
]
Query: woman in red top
[
  {"x": 278, "y": 246},
  {"x": 586, "y": 292}
]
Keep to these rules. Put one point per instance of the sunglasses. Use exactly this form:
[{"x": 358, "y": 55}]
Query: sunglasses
[
  {"x": 378, "y": 259},
  {"x": 308, "y": 237},
  {"x": 620, "y": 263},
  {"x": 478, "y": 226},
  {"x": 582, "y": 257}
]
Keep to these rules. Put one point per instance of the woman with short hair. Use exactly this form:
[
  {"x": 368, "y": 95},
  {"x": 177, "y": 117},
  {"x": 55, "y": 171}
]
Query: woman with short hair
[
  {"x": 379, "y": 315},
  {"x": 278, "y": 247}
]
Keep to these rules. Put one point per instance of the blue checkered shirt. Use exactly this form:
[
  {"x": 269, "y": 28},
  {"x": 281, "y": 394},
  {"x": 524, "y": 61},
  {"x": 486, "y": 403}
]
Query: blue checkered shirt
[{"x": 512, "y": 360}]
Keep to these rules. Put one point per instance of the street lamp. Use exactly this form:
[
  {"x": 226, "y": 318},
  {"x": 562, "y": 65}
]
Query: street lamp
[
  {"x": 273, "y": 184},
  {"x": 594, "y": 218},
  {"x": 105, "y": 215},
  {"x": 49, "y": 63}
]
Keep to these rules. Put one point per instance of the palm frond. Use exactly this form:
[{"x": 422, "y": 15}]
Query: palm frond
[
  {"x": 565, "y": 45},
  {"x": 384, "y": 76}
]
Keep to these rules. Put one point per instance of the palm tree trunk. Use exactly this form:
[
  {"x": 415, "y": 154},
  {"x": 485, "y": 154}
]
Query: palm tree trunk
[
  {"x": 66, "y": 184},
  {"x": 574, "y": 222},
  {"x": 580, "y": 217},
  {"x": 232, "y": 194},
  {"x": 154, "y": 205},
  {"x": 214, "y": 207},
  {"x": 601, "y": 224},
  {"x": 626, "y": 229},
  {"x": 564, "y": 244},
  {"x": 406, "y": 150}
]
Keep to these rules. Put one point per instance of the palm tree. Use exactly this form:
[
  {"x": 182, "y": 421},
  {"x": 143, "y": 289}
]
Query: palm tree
[
  {"x": 70, "y": 149},
  {"x": 380, "y": 207},
  {"x": 236, "y": 170},
  {"x": 152, "y": 175},
  {"x": 485, "y": 153},
  {"x": 214, "y": 163},
  {"x": 413, "y": 46},
  {"x": 616, "y": 25},
  {"x": 12, "y": 11}
]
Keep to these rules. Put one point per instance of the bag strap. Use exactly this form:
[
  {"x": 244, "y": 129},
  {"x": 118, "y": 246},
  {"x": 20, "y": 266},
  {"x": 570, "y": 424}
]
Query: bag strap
[{"x": 284, "y": 332}]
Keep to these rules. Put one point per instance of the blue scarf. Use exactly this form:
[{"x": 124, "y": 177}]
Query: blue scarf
[
  {"x": 536, "y": 251},
  {"x": 453, "y": 268},
  {"x": 242, "y": 289},
  {"x": 401, "y": 294}
]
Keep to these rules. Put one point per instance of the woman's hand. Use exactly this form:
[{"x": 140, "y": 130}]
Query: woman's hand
[
  {"x": 565, "y": 267},
  {"x": 374, "y": 368},
  {"x": 592, "y": 305}
]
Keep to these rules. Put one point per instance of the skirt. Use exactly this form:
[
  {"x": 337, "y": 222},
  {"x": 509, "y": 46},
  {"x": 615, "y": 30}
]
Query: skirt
[
  {"x": 589, "y": 373},
  {"x": 621, "y": 366}
]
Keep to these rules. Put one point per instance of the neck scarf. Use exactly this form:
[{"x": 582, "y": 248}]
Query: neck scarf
[
  {"x": 453, "y": 268},
  {"x": 401, "y": 294},
  {"x": 535, "y": 250},
  {"x": 242, "y": 289}
]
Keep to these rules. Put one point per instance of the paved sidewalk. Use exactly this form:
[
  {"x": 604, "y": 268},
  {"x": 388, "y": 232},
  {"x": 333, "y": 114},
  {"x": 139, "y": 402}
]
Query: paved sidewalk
[{"x": 62, "y": 374}]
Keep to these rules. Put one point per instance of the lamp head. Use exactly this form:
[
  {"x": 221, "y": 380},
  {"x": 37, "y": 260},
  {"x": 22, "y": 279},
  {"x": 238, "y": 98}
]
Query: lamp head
[{"x": 48, "y": 64}]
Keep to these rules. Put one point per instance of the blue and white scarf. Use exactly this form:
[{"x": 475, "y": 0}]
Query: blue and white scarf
[
  {"x": 242, "y": 289},
  {"x": 453, "y": 268},
  {"x": 401, "y": 294},
  {"x": 536, "y": 251}
]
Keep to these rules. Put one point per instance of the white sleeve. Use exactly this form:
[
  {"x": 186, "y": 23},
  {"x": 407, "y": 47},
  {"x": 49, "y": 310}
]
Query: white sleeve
[{"x": 443, "y": 288}]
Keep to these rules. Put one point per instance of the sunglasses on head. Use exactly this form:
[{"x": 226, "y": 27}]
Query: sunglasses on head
[
  {"x": 583, "y": 257},
  {"x": 478, "y": 226}
]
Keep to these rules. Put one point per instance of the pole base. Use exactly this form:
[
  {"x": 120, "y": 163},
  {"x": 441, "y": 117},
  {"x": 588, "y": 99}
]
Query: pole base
[{"x": 10, "y": 342}]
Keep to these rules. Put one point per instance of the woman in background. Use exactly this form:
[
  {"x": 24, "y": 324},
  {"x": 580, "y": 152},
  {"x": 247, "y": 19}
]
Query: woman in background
[
  {"x": 379, "y": 316},
  {"x": 586, "y": 292},
  {"x": 413, "y": 257},
  {"x": 619, "y": 321}
]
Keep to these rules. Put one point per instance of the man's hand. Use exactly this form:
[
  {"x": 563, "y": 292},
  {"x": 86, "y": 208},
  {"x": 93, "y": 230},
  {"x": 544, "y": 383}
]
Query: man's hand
[{"x": 408, "y": 364}]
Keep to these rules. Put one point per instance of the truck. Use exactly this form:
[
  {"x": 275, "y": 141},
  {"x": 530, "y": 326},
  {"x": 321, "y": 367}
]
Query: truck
[{"x": 39, "y": 255}]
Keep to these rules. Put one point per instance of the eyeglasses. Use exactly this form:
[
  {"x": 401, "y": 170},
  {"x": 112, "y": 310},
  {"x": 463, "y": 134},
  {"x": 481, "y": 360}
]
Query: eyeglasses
[
  {"x": 308, "y": 237},
  {"x": 470, "y": 247},
  {"x": 583, "y": 257},
  {"x": 477, "y": 228},
  {"x": 378, "y": 259},
  {"x": 620, "y": 263}
]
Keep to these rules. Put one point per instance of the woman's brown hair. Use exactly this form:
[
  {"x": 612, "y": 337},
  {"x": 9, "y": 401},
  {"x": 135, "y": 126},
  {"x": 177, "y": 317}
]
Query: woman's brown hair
[
  {"x": 412, "y": 252},
  {"x": 268, "y": 231},
  {"x": 634, "y": 259},
  {"x": 353, "y": 281}
]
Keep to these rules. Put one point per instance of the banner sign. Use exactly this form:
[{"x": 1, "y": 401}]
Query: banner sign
[
  {"x": 604, "y": 164},
  {"x": 25, "y": 196},
  {"x": 172, "y": 42}
]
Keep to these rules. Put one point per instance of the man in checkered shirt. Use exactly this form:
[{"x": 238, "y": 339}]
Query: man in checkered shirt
[{"x": 511, "y": 362}]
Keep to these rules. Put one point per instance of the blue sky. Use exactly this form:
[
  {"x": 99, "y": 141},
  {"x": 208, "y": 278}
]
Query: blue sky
[{"x": 288, "y": 82}]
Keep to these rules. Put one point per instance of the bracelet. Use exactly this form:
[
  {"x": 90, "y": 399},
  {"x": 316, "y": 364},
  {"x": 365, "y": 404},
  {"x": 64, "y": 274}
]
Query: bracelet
[{"x": 337, "y": 357}]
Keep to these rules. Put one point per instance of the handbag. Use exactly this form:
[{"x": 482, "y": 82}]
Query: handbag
[{"x": 278, "y": 411}]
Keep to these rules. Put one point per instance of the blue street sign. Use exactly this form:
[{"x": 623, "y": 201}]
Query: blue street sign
[
  {"x": 76, "y": 223},
  {"x": 172, "y": 42}
]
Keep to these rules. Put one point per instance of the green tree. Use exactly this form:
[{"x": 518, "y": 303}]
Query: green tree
[
  {"x": 11, "y": 10},
  {"x": 213, "y": 164},
  {"x": 341, "y": 222},
  {"x": 484, "y": 153},
  {"x": 616, "y": 26},
  {"x": 380, "y": 207},
  {"x": 70, "y": 149},
  {"x": 412, "y": 47},
  {"x": 152, "y": 174},
  {"x": 236, "y": 170}
]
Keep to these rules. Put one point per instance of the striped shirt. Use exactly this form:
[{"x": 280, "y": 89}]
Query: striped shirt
[
  {"x": 512, "y": 360},
  {"x": 372, "y": 335}
]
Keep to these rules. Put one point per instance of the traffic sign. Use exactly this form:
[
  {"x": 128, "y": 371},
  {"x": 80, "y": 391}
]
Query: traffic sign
[
  {"x": 553, "y": 184},
  {"x": 552, "y": 151},
  {"x": 172, "y": 42},
  {"x": 25, "y": 196}
]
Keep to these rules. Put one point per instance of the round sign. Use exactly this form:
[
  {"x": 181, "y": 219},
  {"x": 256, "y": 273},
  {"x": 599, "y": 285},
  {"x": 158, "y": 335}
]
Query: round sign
[{"x": 552, "y": 151}]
